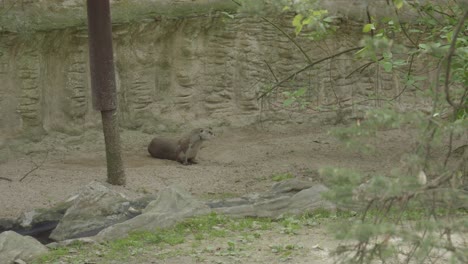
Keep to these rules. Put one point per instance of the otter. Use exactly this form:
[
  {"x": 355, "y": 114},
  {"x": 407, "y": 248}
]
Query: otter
[{"x": 183, "y": 150}]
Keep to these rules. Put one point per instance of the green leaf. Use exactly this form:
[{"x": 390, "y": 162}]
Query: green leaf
[
  {"x": 388, "y": 66},
  {"x": 300, "y": 92},
  {"x": 297, "y": 21},
  {"x": 387, "y": 54},
  {"x": 398, "y": 3},
  {"x": 409, "y": 81},
  {"x": 307, "y": 21},
  {"x": 298, "y": 29},
  {"x": 423, "y": 46},
  {"x": 360, "y": 51},
  {"x": 449, "y": 36},
  {"x": 329, "y": 19},
  {"x": 399, "y": 62},
  {"x": 319, "y": 13},
  {"x": 228, "y": 15},
  {"x": 368, "y": 27},
  {"x": 289, "y": 101}
]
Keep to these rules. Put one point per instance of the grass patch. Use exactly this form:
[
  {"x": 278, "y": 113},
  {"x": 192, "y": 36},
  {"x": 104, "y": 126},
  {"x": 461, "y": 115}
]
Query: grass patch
[
  {"x": 281, "y": 177},
  {"x": 284, "y": 250},
  {"x": 194, "y": 230},
  {"x": 54, "y": 254},
  {"x": 250, "y": 224}
]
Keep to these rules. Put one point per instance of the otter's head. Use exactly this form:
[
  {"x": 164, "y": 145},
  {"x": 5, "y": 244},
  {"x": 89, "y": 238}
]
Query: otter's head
[{"x": 206, "y": 133}]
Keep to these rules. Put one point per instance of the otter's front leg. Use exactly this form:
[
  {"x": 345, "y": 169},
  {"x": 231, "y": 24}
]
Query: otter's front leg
[{"x": 187, "y": 161}]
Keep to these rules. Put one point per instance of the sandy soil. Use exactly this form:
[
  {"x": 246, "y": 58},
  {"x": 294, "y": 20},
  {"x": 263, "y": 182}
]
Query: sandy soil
[{"x": 236, "y": 162}]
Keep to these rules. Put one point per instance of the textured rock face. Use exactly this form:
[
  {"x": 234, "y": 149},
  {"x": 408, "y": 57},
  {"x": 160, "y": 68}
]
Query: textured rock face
[
  {"x": 172, "y": 206},
  {"x": 95, "y": 208},
  {"x": 16, "y": 247},
  {"x": 205, "y": 70},
  {"x": 293, "y": 197}
]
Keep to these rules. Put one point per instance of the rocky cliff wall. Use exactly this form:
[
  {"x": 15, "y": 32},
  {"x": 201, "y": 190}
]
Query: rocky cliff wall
[{"x": 172, "y": 71}]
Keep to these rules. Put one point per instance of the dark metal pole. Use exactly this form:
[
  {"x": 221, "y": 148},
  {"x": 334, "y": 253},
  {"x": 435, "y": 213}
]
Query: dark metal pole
[{"x": 103, "y": 84}]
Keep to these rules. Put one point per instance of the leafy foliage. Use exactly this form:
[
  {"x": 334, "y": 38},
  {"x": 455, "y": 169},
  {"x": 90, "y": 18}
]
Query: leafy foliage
[
  {"x": 411, "y": 213},
  {"x": 296, "y": 97}
]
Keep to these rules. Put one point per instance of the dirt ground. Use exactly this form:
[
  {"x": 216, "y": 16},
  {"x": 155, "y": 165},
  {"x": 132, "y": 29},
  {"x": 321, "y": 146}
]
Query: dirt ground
[{"x": 236, "y": 162}]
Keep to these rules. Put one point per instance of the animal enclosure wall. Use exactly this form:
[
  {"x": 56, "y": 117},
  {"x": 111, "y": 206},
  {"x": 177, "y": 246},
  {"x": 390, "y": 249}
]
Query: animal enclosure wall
[{"x": 207, "y": 69}]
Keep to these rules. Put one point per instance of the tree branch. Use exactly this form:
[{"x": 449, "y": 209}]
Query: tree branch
[
  {"x": 271, "y": 70},
  {"x": 449, "y": 60},
  {"x": 36, "y": 166},
  {"x": 305, "y": 68},
  {"x": 403, "y": 29},
  {"x": 361, "y": 68},
  {"x": 284, "y": 33},
  {"x": 369, "y": 19},
  {"x": 290, "y": 38}
]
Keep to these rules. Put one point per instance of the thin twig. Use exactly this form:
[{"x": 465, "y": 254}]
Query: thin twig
[
  {"x": 271, "y": 70},
  {"x": 449, "y": 60},
  {"x": 369, "y": 20},
  {"x": 290, "y": 38},
  {"x": 305, "y": 68},
  {"x": 403, "y": 28},
  {"x": 442, "y": 13},
  {"x": 406, "y": 85},
  {"x": 361, "y": 68},
  {"x": 332, "y": 86},
  {"x": 369, "y": 204},
  {"x": 424, "y": 11},
  {"x": 6, "y": 179},
  {"x": 284, "y": 33},
  {"x": 36, "y": 166},
  {"x": 408, "y": 74},
  {"x": 450, "y": 146}
]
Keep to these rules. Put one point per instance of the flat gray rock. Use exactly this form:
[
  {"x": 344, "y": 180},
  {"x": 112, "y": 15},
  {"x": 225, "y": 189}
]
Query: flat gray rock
[
  {"x": 292, "y": 185},
  {"x": 172, "y": 206},
  {"x": 95, "y": 208},
  {"x": 287, "y": 201},
  {"x": 16, "y": 247}
]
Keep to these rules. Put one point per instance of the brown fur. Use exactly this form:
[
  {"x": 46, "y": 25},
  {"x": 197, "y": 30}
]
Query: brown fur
[{"x": 183, "y": 150}]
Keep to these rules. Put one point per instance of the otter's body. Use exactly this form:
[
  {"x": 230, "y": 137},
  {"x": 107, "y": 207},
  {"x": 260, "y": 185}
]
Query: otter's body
[
  {"x": 183, "y": 150},
  {"x": 164, "y": 148}
]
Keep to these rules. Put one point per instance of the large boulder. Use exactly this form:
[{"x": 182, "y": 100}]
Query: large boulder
[
  {"x": 14, "y": 247},
  {"x": 95, "y": 208},
  {"x": 39, "y": 223},
  {"x": 31, "y": 219},
  {"x": 171, "y": 206},
  {"x": 289, "y": 197}
]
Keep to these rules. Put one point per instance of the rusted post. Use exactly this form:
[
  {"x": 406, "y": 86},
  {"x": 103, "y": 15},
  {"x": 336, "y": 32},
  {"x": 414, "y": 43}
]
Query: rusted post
[{"x": 103, "y": 84}]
